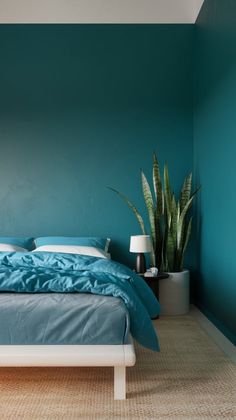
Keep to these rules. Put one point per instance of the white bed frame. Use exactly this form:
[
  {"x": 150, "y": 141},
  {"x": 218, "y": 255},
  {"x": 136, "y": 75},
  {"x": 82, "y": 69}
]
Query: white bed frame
[{"x": 117, "y": 356}]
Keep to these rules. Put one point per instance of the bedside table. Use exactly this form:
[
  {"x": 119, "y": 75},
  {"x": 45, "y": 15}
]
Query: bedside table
[{"x": 153, "y": 283}]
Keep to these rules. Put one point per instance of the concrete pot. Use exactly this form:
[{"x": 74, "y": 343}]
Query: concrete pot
[{"x": 174, "y": 294}]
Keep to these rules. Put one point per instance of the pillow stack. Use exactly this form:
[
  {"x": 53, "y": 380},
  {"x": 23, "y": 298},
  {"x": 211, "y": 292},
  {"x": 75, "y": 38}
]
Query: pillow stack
[{"x": 92, "y": 246}]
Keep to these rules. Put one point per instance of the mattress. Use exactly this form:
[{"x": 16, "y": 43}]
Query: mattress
[{"x": 62, "y": 318}]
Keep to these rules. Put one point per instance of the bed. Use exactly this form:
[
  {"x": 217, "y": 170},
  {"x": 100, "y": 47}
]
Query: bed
[{"x": 64, "y": 309}]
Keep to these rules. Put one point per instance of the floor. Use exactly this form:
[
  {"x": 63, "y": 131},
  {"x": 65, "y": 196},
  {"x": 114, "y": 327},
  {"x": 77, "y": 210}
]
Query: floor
[{"x": 191, "y": 378}]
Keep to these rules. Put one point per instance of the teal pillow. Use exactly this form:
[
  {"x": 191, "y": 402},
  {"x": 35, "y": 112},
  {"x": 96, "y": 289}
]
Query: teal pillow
[
  {"x": 27, "y": 243},
  {"x": 102, "y": 243}
]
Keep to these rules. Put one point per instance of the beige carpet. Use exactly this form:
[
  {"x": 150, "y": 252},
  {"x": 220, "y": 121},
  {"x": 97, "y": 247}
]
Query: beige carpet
[{"x": 190, "y": 379}]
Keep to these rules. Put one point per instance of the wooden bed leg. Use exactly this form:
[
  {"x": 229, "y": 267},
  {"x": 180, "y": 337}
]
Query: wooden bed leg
[{"x": 119, "y": 382}]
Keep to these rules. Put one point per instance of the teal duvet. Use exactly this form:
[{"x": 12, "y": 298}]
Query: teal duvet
[{"x": 46, "y": 272}]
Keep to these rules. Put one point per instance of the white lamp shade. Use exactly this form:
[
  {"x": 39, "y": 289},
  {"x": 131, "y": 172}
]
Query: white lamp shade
[{"x": 140, "y": 243}]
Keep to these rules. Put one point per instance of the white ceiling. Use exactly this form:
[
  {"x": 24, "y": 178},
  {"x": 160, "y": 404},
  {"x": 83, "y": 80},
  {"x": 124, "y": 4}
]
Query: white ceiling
[{"x": 99, "y": 11}]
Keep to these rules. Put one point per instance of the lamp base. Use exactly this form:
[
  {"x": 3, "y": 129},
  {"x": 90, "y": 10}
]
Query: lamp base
[{"x": 140, "y": 263}]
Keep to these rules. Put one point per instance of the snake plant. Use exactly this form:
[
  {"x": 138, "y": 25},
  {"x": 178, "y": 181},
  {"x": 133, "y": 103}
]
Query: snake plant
[
  {"x": 178, "y": 224},
  {"x": 169, "y": 223}
]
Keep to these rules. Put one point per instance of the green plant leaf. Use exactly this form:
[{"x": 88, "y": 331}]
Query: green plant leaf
[
  {"x": 168, "y": 195},
  {"x": 133, "y": 208},
  {"x": 195, "y": 191},
  {"x": 150, "y": 207},
  {"x": 159, "y": 210},
  {"x": 157, "y": 185},
  {"x": 186, "y": 191},
  {"x": 159, "y": 243},
  {"x": 170, "y": 251},
  {"x": 153, "y": 258},
  {"x": 185, "y": 242},
  {"x": 180, "y": 227},
  {"x": 162, "y": 264},
  {"x": 174, "y": 210}
]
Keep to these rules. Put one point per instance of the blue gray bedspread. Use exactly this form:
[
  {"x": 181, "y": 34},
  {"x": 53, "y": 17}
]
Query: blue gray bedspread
[
  {"x": 62, "y": 318},
  {"x": 46, "y": 272}
]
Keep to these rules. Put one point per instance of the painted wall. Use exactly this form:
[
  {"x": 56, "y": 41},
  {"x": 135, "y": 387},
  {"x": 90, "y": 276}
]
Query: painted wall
[
  {"x": 214, "y": 155},
  {"x": 83, "y": 107}
]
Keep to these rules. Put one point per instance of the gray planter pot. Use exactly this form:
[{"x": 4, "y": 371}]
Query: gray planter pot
[{"x": 174, "y": 294}]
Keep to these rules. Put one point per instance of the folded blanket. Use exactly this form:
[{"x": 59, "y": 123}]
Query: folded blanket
[{"x": 45, "y": 272}]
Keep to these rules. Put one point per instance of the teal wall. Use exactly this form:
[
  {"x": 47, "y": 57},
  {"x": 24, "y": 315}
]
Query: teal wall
[
  {"x": 83, "y": 107},
  {"x": 214, "y": 161}
]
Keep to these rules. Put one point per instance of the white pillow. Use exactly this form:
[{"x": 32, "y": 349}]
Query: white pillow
[
  {"x": 11, "y": 248},
  {"x": 74, "y": 249}
]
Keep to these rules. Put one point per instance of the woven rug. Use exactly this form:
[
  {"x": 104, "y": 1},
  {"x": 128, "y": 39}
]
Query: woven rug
[{"x": 190, "y": 379}]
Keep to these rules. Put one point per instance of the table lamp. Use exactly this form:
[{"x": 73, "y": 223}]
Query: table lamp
[{"x": 140, "y": 244}]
